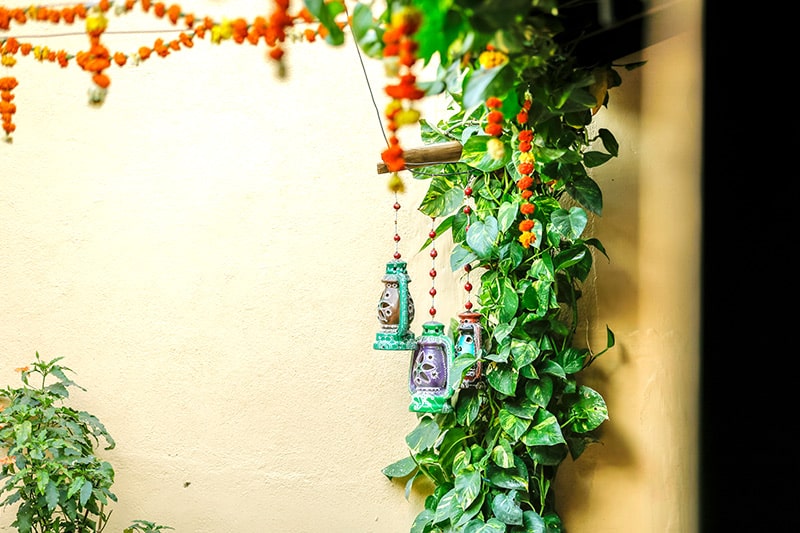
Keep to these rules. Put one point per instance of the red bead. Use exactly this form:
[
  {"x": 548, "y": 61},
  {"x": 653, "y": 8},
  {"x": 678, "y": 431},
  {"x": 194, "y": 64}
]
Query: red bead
[
  {"x": 396, "y": 206},
  {"x": 432, "y": 273},
  {"x": 468, "y": 306},
  {"x": 432, "y": 311},
  {"x": 396, "y": 237},
  {"x": 467, "y": 267},
  {"x": 467, "y": 210},
  {"x": 432, "y": 234},
  {"x": 432, "y": 292},
  {"x": 468, "y": 191},
  {"x": 434, "y": 253},
  {"x": 397, "y": 255},
  {"x": 468, "y": 286}
]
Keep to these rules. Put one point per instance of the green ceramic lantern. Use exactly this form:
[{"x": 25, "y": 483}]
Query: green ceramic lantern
[
  {"x": 395, "y": 310},
  {"x": 430, "y": 382}
]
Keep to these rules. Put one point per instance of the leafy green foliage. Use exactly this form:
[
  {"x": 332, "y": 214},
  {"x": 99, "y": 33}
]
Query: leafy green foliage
[
  {"x": 50, "y": 466},
  {"x": 494, "y": 457}
]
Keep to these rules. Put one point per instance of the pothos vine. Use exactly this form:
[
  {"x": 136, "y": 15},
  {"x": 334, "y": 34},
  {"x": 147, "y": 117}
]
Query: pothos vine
[{"x": 516, "y": 203}]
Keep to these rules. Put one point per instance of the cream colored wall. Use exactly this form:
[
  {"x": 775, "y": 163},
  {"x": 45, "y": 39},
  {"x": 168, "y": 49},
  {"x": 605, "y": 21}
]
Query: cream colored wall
[{"x": 205, "y": 250}]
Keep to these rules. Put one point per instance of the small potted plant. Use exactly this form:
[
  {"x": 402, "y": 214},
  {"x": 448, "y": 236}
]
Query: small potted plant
[{"x": 48, "y": 461}]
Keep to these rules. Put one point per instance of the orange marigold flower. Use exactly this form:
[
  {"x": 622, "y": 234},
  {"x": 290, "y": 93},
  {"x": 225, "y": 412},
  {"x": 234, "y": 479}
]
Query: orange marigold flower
[
  {"x": 7, "y": 108},
  {"x": 527, "y": 224},
  {"x": 25, "y": 48},
  {"x": 22, "y": 369},
  {"x": 188, "y": 20},
  {"x": 144, "y": 52},
  {"x": 526, "y": 135},
  {"x": 493, "y": 129},
  {"x": 393, "y": 157},
  {"x": 527, "y": 238},
  {"x": 494, "y": 103},
  {"x": 276, "y": 53},
  {"x": 522, "y": 117},
  {"x": 186, "y": 40},
  {"x": 524, "y": 146},
  {"x": 120, "y": 58},
  {"x": 495, "y": 117},
  {"x": 8, "y": 83},
  {"x": 159, "y": 9},
  {"x": 101, "y": 80},
  {"x": 174, "y": 12},
  {"x": 525, "y": 168},
  {"x": 146, "y": 5},
  {"x": 68, "y": 14},
  {"x": 310, "y": 35},
  {"x": 527, "y": 193},
  {"x": 524, "y": 182},
  {"x": 527, "y": 209},
  {"x": 104, "y": 5}
]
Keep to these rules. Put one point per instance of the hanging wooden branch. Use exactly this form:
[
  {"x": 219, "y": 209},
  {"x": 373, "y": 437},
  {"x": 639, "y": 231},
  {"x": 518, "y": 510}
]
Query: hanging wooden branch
[{"x": 432, "y": 154}]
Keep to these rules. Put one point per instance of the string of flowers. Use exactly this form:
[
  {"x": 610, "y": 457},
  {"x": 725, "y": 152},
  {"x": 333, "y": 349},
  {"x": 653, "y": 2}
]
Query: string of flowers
[
  {"x": 274, "y": 30},
  {"x": 7, "y": 106},
  {"x": 525, "y": 168},
  {"x": 494, "y": 127},
  {"x": 399, "y": 56}
]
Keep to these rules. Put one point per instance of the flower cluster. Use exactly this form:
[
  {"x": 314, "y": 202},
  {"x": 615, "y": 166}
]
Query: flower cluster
[
  {"x": 492, "y": 57},
  {"x": 399, "y": 56},
  {"x": 525, "y": 168}
]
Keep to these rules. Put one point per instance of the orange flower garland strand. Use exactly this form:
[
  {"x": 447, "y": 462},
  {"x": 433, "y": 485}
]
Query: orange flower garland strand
[
  {"x": 399, "y": 56},
  {"x": 7, "y": 106},
  {"x": 97, "y": 59},
  {"x": 494, "y": 127},
  {"x": 525, "y": 168}
]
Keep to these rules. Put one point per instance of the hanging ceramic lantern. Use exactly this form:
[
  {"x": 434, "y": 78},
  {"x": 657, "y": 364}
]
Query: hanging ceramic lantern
[
  {"x": 469, "y": 342},
  {"x": 429, "y": 377},
  {"x": 395, "y": 310}
]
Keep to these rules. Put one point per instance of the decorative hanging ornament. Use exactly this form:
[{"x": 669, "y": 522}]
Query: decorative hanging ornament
[
  {"x": 396, "y": 307},
  {"x": 430, "y": 383},
  {"x": 469, "y": 342},
  {"x": 395, "y": 310}
]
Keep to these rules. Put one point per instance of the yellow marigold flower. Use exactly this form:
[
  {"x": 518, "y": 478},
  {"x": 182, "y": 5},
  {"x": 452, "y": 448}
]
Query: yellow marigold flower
[
  {"x": 492, "y": 58},
  {"x": 527, "y": 238},
  {"x": 221, "y": 31},
  {"x": 22, "y": 369},
  {"x": 406, "y": 117},
  {"x": 526, "y": 157},
  {"x": 96, "y": 24},
  {"x": 8, "y": 60},
  {"x": 495, "y": 148}
]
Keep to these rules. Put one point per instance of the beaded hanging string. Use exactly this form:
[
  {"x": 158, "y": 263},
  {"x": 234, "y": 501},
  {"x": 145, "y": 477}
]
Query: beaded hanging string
[
  {"x": 432, "y": 273},
  {"x": 468, "y": 200}
]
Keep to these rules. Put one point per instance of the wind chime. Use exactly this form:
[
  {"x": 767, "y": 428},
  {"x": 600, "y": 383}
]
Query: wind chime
[{"x": 431, "y": 380}]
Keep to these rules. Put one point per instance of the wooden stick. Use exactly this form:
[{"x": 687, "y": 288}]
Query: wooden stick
[{"x": 431, "y": 154}]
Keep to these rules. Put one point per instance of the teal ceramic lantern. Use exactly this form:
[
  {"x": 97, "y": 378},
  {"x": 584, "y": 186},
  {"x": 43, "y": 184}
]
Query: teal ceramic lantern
[
  {"x": 395, "y": 310},
  {"x": 469, "y": 342},
  {"x": 430, "y": 383}
]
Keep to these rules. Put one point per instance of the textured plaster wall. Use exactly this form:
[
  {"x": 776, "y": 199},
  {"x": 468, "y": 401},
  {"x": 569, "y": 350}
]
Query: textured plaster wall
[{"x": 205, "y": 251}]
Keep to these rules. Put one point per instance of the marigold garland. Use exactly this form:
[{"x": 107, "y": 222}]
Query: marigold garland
[
  {"x": 399, "y": 56},
  {"x": 525, "y": 167},
  {"x": 97, "y": 59}
]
